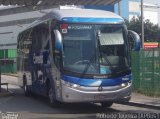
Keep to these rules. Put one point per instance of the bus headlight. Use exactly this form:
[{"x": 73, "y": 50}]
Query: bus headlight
[
  {"x": 126, "y": 84},
  {"x": 68, "y": 84},
  {"x": 123, "y": 84}
]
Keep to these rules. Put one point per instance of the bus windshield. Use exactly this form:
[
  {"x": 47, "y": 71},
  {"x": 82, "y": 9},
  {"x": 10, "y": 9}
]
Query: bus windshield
[{"x": 94, "y": 49}]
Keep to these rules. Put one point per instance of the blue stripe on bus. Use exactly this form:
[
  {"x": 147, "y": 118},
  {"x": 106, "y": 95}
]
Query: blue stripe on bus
[
  {"x": 92, "y": 20},
  {"x": 95, "y": 82}
]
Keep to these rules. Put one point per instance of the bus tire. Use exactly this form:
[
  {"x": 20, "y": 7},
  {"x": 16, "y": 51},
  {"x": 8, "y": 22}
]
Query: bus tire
[
  {"x": 106, "y": 104},
  {"x": 52, "y": 101}
]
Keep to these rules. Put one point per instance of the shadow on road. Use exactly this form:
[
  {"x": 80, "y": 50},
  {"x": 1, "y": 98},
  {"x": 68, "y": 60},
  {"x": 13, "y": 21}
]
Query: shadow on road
[
  {"x": 73, "y": 108},
  {"x": 38, "y": 104}
]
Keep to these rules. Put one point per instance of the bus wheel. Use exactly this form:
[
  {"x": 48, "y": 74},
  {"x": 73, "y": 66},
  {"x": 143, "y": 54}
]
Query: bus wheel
[
  {"x": 106, "y": 104},
  {"x": 52, "y": 101}
]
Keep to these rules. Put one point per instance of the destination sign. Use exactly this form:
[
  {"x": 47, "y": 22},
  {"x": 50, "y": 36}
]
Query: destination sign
[{"x": 80, "y": 27}]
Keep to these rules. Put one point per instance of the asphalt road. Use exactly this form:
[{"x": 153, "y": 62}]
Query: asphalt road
[{"x": 37, "y": 107}]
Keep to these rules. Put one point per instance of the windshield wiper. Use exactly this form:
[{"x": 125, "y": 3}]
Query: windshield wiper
[{"x": 88, "y": 65}]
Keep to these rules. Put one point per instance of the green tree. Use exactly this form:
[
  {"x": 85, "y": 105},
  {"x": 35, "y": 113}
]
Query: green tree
[{"x": 151, "y": 31}]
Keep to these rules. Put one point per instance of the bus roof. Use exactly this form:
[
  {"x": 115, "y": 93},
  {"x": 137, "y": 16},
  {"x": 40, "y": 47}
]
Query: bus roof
[
  {"x": 85, "y": 13},
  {"x": 80, "y": 15}
]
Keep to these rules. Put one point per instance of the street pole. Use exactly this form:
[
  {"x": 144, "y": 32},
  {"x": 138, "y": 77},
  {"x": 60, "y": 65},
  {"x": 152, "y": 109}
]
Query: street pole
[
  {"x": 119, "y": 8},
  {"x": 142, "y": 25}
]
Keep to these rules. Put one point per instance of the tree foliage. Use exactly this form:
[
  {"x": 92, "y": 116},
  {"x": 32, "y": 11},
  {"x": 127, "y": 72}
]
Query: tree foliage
[{"x": 151, "y": 31}]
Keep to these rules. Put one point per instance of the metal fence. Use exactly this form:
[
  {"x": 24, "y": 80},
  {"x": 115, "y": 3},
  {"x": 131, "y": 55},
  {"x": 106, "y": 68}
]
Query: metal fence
[
  {"x": 8, "y": 60},
  {"x": 9, "y": 68},
  {"x": 146, "y": 71}
]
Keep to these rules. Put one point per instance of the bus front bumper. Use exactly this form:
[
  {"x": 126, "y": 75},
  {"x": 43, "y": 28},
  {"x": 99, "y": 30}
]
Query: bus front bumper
[{"x": 94, "y": 94}]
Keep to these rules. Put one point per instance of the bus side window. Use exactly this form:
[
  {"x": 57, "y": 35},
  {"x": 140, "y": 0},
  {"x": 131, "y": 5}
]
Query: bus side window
[
  {"x": 41, "y": 38},
  {"x": 37, "y": 40},
  {"x": 45, "y": 39},
  {"x": 27, "y": 42},
  {"x": 56, "y": 55},
  {"x": 53, "y": 42},
  {"x": 39, "y": 49}
]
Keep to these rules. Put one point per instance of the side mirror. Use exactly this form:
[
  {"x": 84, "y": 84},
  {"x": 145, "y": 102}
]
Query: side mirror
[
  {"x": 134, "y": 40},
  {"x": 58, "y": 40}
]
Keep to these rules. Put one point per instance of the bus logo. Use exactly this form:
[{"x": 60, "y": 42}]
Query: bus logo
[{"x": 100, "y": 88}]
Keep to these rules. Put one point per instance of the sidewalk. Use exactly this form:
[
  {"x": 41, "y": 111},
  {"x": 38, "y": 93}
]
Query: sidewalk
[
  {"x": 10, "y": 74},
  {"x": 11, "y": 81},
  {"x": 142, "y": 99}
]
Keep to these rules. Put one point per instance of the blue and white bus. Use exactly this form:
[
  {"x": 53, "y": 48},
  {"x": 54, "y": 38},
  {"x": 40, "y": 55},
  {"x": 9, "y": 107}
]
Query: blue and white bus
[{"x": 77, "y": 55}]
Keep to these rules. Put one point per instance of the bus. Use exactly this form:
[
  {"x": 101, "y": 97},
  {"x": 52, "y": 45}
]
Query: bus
[{"x": 77, "y": 55}]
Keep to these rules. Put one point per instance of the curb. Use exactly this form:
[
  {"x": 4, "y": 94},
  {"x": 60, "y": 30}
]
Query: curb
[
  {"x": 140, "y": 104},
  {"x": 14, "y": 75}
]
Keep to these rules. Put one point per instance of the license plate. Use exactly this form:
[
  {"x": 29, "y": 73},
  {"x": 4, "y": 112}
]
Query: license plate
[{"x": 99, "y": 97}]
